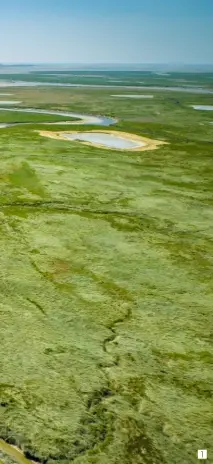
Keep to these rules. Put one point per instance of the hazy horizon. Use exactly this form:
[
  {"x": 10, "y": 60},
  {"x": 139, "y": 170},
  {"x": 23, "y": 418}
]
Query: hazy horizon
[
  {"x": 104, "y": 63},
  {"x": 106, "y": 67}
]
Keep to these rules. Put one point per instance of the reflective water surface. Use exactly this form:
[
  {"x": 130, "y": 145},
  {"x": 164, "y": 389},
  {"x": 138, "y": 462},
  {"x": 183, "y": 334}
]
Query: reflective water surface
[{"x": 108, "y": 140}]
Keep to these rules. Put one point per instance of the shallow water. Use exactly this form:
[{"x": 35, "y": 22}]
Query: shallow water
[
  {"x": 9, "y": 102},
  {"x": 108, "y": 140},
  {"x": 182, "y": 89},
  {"x": 161, "y": 74},
  {"x": 203, "y": 107},
  {"x": 3, "y": 125},
  {"x": 133, "y": 96}
]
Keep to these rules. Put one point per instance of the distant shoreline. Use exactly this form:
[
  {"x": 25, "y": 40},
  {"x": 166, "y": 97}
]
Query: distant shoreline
[
  {"x": 102, "y": 86},
  {"x": 168, "y": 67}
]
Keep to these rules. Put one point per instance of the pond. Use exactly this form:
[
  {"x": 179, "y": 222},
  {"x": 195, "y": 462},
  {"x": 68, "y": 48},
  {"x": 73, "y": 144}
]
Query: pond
[
  {"x": 203, "y": 107},
  {"x": 107, "y": 140},
  {"x": 9, "y": 102},
  {"x": 132, "y": 96}
]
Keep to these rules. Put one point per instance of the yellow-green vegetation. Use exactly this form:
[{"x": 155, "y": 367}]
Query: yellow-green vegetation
[{"x": 105, "y": 267}]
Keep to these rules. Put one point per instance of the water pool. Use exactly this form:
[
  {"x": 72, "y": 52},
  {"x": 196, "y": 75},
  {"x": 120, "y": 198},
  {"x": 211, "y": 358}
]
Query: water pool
[
  {"x": 107, "y": 140},
  {"x": 203, "y": 107}
]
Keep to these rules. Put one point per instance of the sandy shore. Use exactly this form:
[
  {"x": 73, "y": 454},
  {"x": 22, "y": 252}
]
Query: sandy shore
[{"x": 148, "y": 144}]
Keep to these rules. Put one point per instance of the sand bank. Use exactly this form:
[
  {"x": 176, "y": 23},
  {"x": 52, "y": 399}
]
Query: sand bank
[{"x": 141, "y": 143}]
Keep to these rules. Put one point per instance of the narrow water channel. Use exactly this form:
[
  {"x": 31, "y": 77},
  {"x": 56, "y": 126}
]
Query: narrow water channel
[
  {"x": 13, "y": 452},
  {"x": 82, "y": 119}
]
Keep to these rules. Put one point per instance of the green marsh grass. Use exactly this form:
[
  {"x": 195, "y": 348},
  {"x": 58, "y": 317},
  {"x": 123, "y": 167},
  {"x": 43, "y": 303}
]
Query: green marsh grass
[{"x": 106, "y": 343}]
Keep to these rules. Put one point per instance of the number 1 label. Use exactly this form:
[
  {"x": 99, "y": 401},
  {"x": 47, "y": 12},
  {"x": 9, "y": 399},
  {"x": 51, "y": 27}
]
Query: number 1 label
[{"x": 202, "y": 454}]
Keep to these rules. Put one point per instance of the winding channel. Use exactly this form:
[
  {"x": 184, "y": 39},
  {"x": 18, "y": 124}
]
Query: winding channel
[
  {"x": 81, "y": 119},
  {"x": 13, "y": 452}
]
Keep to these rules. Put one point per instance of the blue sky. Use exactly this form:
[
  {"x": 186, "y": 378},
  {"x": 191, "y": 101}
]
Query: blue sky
[{"x": 113, "y": 31}]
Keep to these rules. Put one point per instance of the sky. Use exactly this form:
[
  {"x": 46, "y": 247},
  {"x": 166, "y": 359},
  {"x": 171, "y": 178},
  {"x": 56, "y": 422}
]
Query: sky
[{"x": 106, "y": 31}]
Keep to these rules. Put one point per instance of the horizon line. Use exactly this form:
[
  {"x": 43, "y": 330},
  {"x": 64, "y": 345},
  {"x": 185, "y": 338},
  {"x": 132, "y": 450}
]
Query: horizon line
[{"x": 104, "y": 63}]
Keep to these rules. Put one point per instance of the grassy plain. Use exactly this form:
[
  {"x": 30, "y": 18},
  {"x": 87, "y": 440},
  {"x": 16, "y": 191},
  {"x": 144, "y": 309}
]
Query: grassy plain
[
  {"x": 106, "y": 340},
  {"x": 118, "y": 78},
  {"x": 166, "y": 108}
]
